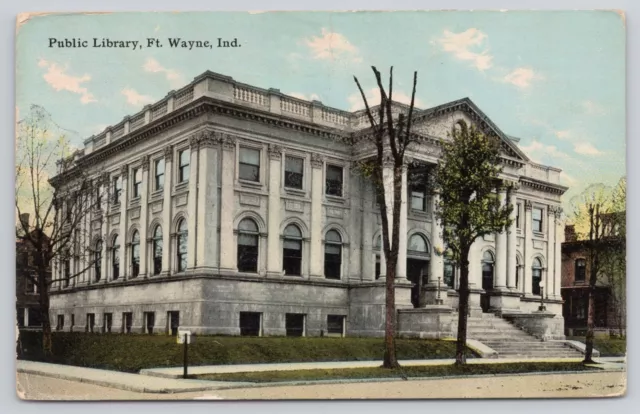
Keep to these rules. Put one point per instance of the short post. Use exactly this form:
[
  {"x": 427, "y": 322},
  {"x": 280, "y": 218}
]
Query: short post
[
  {"x": 438, "y": 298},
  {"x": 542, "y": 308},
  {"x": 186, "y": 356}
]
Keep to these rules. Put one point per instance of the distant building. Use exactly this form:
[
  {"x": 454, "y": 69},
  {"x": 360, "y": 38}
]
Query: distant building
[
  {"x": 27, "y": 297},
  {"x": 575, "y": 286}
]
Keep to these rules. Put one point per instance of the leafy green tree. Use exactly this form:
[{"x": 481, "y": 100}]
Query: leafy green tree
[{"x": 467, "y": 180}]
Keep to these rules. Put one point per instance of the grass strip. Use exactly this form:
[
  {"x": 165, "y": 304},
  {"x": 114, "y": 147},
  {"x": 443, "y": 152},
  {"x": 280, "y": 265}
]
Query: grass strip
[{"x": 408, "y": 372}]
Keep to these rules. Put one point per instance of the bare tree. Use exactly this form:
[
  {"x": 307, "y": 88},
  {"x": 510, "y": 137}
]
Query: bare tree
[
  {"x": 55, "y": 230},
  {"x": 391, "y": 138}
]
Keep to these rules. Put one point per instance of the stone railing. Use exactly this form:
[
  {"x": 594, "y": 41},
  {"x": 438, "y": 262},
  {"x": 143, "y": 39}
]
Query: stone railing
[
  {"x": 99, "y": 141},
  {"x": 159, "y": 110},
  {"x": 542, "y": 172},
  {"x": 136, "y": 122},
  {"x": 294, "y": 107},
  {"x": 250, "y": 95},
  {"x": 183, "y": 97},
  {"x": 117, "y": 132},
  {"x": 335, "y": 117}
]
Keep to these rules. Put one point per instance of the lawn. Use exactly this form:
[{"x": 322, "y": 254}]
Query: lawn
[
  {"x": 608, "y": 347},
  {"x": 131, "y": 353},
  {"x": 408, "y": 372}
]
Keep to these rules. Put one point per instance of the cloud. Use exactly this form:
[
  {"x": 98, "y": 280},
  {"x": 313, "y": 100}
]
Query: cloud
[
  {"x": 312, "y": 97},
  {"x": 174, "y": 77},
  {"x": 461, "y": 45},
  {"x": 565, "y": 134},
  {"x": 567, "y": 179},
  {"x": 592, "y": 108},
  {"x": 585, "y": 148},
  {"x": 537, "y": 149},
  {"x": 136, "y": 99},
  {"x": 373, "y": 98},
  {"x": 59, "y": 80},
  {"x": 521, "y": 77},
  {"x": 332, "y": 46}
]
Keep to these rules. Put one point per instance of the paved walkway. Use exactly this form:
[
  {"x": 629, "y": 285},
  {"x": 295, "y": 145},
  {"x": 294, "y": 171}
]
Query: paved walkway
[
  {"x": 607, "y": 363},
  {"x": 120, "y": 380}
]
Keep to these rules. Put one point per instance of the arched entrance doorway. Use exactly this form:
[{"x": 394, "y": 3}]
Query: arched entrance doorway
[
  {"x": 417, "y": 266},
  {"x": 488, "y": 262}
]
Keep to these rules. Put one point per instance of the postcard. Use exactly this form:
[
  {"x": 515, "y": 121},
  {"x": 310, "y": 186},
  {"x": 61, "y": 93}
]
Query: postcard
[{"x": 320, "y": 205}]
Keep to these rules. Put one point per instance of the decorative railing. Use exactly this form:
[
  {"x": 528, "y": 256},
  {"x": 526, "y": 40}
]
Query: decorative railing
[
  {"x": 243, "y": 93},
  {"x": 294, "y": 107},
  {"x": 335, "y": 117},
  {"x": 99, "y": 141},
  {"x": 118, "y": 132},
  {"x": 136, "y": 122},
  {"x": 183, "y": 97},
  {"x": 159, "y": 110}
]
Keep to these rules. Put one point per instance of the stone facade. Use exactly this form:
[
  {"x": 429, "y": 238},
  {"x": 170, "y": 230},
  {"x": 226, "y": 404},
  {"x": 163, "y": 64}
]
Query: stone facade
[{"x": 236, "y": 209}]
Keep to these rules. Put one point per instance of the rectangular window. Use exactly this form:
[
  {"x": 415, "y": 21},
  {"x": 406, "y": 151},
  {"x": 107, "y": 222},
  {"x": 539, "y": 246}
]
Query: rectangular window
[
  {"x": 98, "y": 197},
  {"x": 537, "y": 219},
  {"x": 418, "y": 179},
  {"x": 91, "y": 322},
  {"x": 335, "y": 325},
  {"x": 333, "y": 185},
  {"x": 518, "y": 207},
  {"x": 117, "y": 190},
  {"x": 149, "y": 322},
  {"x": 174, "y": 322},
  {"x": 60, "y": 323},
  {"x": 249, "y": 164},
  {"x": 127, "y": 322},
  {"x": 293, "y": 172},
  {"x": 67, "y": 272},
  {"x": 31, "y": 288},
  {"x": 250, "y": 323},
  {"x": 107, "y": 322},
  {"x": 137, "y": 182},
  {"x": 21, "y": 317},
  {"x": 34, "y": 317},
  {"x": 69, "y": 209},
  {"x": 159, "y": 174},
  {"x": 581, "y": 270},
  {"x": 183, "y": 166},
  {"x": 294, "y": 324}
]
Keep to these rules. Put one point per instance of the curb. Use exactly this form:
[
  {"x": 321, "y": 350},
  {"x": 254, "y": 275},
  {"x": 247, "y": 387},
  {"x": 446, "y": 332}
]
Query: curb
[{"x": 110, "y": 384}]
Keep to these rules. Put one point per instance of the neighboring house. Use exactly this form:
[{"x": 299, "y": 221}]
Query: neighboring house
[
  {"x": 27, "y": 297},
  {"x": 575, "y": 285},
  {"x": 236, "y": 210}
]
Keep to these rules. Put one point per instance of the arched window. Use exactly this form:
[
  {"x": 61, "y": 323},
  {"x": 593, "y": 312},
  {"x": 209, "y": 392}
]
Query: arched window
[
  {"x": 487, "y": 270},
  {"x": 417, "y": 246},
  {"x": 181, "y": 245},
  {"x": 157, "y": 250},
  {"x": 378, "y": 247},
  {"x": 135, "y": 254},
  {"x": 536, "y": 276},
  {"x": 292, "y": 251},
  {"x": 581, "y": 270},
  {"x": 332, "y": 255},
  {"x": 97, "y": 264},
  {"x": 248, "y": 246},
  {"x": 115, "y": 258}
]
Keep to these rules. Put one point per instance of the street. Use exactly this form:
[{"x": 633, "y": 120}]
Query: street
[{"x": 532, "y": 386}]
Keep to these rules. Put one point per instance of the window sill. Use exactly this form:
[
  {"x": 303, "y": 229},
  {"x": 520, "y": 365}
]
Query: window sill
[
  {"x": 420, "y": 213},
  {"x": 157, "y": 194},
  {"x": 295, "y": 192},
  {"x": 182, "y": 185},
  {"x": 335, "y": 199},
  {"x": 134, "y": 201},
  {"x": 538, "y": 234},
  {"x": 250, "y": 184}
]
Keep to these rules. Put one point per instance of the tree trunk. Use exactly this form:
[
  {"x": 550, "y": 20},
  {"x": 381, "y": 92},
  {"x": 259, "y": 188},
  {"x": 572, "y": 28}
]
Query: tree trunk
[
  {"x": 590, "y": 325},
  {"x": 390, "y": 357},
  {"x": 463, "y": 310},
  {"x": 47, "y": 342}
]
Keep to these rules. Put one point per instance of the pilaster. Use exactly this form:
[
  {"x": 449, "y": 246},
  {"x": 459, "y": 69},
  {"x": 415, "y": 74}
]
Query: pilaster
[
  {"x": 551, "y": 263},
  {"x": 166, "y": 210},
  {"x": 401, "y": 266},
  {"x": 227, "y": 204},
  {"x": 559, "y": 239},
  {"x": 316, "y": 265},
  {"x": 274, "y": 254},
  {"x": 500, "y": 282},
  {"x": 192, "y": 207},
  {"x": 124, "y": 238},
  {"x": 144, "y": 208},
  {"x": 528, "y": 248},
  {"x": 511, "y": 241},
  {"x": 208, "y": 202}
]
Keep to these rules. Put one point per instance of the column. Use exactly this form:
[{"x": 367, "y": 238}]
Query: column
[
  {"x": 125, "y": 243},
  {"x": 105, "y": 180},
  {"x": 549, "y": 289},
  {"x": 559, "y": 239},
  {"x": 208, "y": 203},
  {"x": 144, "y": 209},
  {"x": 500, "y": 282},
  {"x": 383, "y": 258},
  {"x": 368, "y": 220},
  {"x": 227, "y": 204},
  {"x": 316, "y": 265},
  {"x": 401, "y": 266},
  {"x": 274, "y": 255},
  {"x": 436, "y": 262},
  {"x": 166, "y": 210},
  {"x": 528, "y": 249},
  {"x": 192, "y": 206},
  {"x": 356, "y": 246},
  {"x": 511, "y": 242}
]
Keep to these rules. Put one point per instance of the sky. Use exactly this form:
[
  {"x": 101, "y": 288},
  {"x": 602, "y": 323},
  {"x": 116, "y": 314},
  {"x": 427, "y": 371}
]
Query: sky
[{"x": 554, "y": 79}]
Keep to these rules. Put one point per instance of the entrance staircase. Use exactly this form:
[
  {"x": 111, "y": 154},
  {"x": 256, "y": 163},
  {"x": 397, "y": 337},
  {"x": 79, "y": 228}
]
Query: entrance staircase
[{"x": 510, "y": 341}]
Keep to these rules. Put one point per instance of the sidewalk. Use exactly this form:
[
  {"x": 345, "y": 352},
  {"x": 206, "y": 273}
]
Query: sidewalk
[
  {"x": 607, "y": 363},
  {"x": 120, "y": 380}
]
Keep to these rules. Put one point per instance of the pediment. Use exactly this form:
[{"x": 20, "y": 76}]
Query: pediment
[{"x": 439, "y": 122}]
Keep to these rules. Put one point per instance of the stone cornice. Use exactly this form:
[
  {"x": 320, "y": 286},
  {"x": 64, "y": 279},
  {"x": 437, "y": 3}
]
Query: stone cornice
[{"x": 547, "y": 187}]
